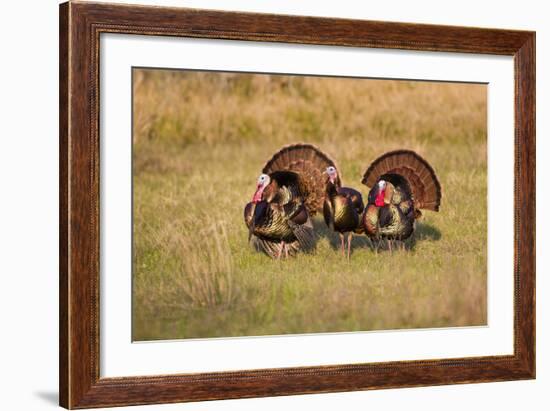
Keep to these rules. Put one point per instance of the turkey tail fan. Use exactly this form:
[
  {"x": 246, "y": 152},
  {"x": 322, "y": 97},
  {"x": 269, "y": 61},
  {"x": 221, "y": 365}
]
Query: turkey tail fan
[
  {"x": 423, "y": 182},
  {"x": 309, "y": 163}
]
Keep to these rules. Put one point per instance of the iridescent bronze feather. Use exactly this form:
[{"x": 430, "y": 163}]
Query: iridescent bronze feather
[
  {"x": 342, "y": 208},
  {"x": 401, "y": 183},
  {"x": 308, "y": 163},
  {"x": 289, "y": 192},
  {"x": 395, "y": 166}
]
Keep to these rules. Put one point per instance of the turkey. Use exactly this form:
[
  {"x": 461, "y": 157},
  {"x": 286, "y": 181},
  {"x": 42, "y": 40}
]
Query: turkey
[
  {"x": 288, "y": 193},
  {"x": 342, "y": 208},
  {"x": 401, "y": 184}
]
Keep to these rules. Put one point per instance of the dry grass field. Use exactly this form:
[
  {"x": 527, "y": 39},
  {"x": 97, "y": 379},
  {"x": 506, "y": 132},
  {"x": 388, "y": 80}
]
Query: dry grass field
[{"x": 201, "y": 140}]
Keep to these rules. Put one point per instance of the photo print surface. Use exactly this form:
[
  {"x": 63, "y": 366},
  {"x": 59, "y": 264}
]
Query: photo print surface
[{"x": 271, "y": 204}]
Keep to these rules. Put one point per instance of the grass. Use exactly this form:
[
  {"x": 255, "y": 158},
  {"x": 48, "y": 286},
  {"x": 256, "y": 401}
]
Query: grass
[{"x": 200, "y": 141}]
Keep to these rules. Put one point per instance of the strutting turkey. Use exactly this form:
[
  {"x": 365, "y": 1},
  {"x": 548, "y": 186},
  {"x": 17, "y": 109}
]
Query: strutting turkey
[
  {"x": 342, "y": 208},
  {"x": 288, "y": 193},
  {"x": 401, "y": 184}
]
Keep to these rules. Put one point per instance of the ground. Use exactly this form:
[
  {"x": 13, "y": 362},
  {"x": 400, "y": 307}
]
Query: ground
[{"x": 200, "y": 142}]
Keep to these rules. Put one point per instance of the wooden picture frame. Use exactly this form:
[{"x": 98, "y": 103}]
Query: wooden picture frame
[{"x": 80, "y": 27}]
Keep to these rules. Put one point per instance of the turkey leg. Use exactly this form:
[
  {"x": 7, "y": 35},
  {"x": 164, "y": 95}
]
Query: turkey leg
[{"x": 280, "y": 253}]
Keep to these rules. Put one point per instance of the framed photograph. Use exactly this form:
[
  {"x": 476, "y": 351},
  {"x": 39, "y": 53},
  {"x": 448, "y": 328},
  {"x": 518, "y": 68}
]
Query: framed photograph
[{"x": 258, "y": 205}]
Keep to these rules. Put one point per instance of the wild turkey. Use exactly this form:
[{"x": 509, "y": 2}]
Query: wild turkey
[
  {"x": 288, "y": 192},
  {"x": 342, "y": 208},
  {"x": 401, "y": 184}
]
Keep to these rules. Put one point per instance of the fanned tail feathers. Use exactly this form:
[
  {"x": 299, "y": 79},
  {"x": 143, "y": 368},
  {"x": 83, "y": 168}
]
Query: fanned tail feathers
[
  {"x": 421, "y": 177},
  {"x": 309, "y": 163}
]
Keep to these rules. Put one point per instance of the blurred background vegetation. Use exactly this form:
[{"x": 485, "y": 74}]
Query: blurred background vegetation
[{"x": 200, "y": 141}]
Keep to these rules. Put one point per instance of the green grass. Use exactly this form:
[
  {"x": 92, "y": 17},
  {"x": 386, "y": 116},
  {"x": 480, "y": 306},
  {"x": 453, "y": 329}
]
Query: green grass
[{"x": 200, "y": 141}]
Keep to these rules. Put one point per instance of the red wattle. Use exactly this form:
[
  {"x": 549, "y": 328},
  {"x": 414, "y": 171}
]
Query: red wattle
[
  {"x": 258, "y": 194},
  {"x": 379, "y": 201}
]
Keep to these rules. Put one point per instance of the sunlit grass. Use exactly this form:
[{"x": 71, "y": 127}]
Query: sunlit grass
[{"x": 201, "y": 139}]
